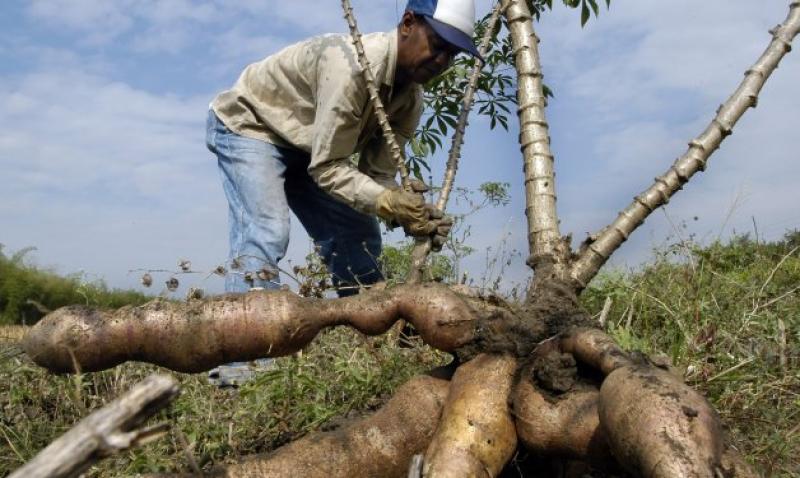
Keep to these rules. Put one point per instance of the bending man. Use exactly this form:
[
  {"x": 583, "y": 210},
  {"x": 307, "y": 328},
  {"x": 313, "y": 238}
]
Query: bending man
[{"x": 286, "y": 133}]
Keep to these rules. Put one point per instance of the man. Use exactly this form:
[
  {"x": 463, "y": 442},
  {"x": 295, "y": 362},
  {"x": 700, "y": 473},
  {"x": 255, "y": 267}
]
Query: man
[{"x": 285, "y": 133}]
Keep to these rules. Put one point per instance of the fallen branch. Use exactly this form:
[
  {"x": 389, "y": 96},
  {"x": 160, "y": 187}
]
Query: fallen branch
[{"x": 112, "y": 429}]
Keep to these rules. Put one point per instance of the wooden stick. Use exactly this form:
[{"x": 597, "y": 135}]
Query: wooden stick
[
  {"x": 600, "y": 247},
  {"x": 109, "y": 430},
  {"x": 415, "y": 469}
]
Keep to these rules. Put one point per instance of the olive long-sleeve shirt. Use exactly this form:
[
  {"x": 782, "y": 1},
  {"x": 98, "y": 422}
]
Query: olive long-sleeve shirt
[{"x": 311, "y": 96}]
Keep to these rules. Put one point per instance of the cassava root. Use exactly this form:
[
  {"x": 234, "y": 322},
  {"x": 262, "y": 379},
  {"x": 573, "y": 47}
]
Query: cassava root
[
  {"x": 475, "y": 436},
  {"x": 562, "y": 426},
  {"x": 658, "y": 427},
  {"x": 380, "y": 445},
  {"x": 200, "y": 335},
  {"x": 643, "y": 418},
  {"x": 477, "y": 433}
]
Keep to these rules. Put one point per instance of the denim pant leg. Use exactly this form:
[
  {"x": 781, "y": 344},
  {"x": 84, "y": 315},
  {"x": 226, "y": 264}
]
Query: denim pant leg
[
  {"x": 349, "y": 241},
  {"x": 252, "y": 173}
]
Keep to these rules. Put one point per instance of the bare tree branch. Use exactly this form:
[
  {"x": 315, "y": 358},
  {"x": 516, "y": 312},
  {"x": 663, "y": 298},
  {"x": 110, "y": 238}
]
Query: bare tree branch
[
  {"x": 544, "y": 237},
  {"x": 112, "y": 429},
  {"x": 374, "y": 96},
  {"x": 600, "y": 247}
]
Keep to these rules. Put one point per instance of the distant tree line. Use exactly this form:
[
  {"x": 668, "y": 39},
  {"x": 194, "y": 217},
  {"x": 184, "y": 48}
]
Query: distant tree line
[{"x": 27, "y": 292}]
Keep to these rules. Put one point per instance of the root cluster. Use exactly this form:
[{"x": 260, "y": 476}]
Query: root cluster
[{"x": 555, "y": 387}]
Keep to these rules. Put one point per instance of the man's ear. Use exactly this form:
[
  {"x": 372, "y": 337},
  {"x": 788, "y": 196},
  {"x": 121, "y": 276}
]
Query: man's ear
[{"x": 407, "y": 24}]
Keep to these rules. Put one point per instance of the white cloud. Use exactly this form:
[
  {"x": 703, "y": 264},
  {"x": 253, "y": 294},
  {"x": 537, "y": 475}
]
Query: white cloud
[
  {"x": 237, "y": 47},
  {"x": 100, "y": 20},
  {"x": 641, "y": 49},
  {"x": 86, "y": 158},
  {"x": 104, "y": 127}
]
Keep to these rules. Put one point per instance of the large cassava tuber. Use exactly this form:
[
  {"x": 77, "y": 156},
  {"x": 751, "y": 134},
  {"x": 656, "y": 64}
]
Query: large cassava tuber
[
  {"x": 658, "y": 427},
  {"x": 197, "y": 336},
  {"x": 734, "y": 465},
  {"x": 476, "y": 435},
  {"x": 563, "y": 426},
  {"x": 652, "y": 423},
  {"x": 379, "y": 446},
  {"x": 567, "y": 426}
]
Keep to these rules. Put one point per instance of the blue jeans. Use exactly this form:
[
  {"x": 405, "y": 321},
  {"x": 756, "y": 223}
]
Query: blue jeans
[{"x": 262, "y": 182}]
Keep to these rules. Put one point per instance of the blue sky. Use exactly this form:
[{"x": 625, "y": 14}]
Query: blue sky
[{"x": 104, "y": 167}]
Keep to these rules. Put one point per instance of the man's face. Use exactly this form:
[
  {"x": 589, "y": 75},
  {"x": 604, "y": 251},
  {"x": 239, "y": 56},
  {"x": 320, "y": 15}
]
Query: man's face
[{"x": 422, "y": 54}]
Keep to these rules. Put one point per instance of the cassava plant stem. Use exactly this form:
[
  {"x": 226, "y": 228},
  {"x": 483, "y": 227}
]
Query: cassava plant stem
[
  {"x": 544, "y": 237},
  {"x": 422, "y": 248},
  {"x": 374, "y": 96},
  {"x": 466, "y": 107},
  {"x": 599, "y": 248}
]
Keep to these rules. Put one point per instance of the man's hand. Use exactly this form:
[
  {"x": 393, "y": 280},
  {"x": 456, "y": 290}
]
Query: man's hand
[
  {"x": 410, "y": 211},
  {"x": 445, "y": 223}
]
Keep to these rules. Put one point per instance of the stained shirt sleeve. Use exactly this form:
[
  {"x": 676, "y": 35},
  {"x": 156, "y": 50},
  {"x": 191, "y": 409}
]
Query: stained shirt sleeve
[{"x": 341, "y": 97}]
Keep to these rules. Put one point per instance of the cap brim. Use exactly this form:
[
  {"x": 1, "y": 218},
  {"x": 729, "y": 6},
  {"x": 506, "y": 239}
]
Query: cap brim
[{"x": 454, "y": 36}]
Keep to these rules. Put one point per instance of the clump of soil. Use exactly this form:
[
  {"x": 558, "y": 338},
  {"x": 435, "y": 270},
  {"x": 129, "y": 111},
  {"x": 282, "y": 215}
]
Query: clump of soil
[{"x": 551, "y": 308}]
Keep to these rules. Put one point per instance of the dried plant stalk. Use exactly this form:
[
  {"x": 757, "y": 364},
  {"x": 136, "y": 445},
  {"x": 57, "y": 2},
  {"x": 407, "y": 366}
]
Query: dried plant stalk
[
  {"x": 422, "y": 248},
  {"x": 544, "y": 237},
  {"x": 599, "y": 248},
  {"x": 377, "y": 104}
]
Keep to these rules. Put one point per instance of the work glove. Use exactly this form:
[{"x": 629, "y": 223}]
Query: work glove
[{"x": 409, "y": 210}]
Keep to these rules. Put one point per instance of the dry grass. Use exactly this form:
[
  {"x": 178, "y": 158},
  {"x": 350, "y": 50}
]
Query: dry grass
[{"x": 11, "y": 333}]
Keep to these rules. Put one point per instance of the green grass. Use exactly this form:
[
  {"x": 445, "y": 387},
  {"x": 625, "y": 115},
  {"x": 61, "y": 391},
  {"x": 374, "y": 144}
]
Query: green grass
[
  {"x": 715, "y": 311},
  {"x": 26, "y": 291}
]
